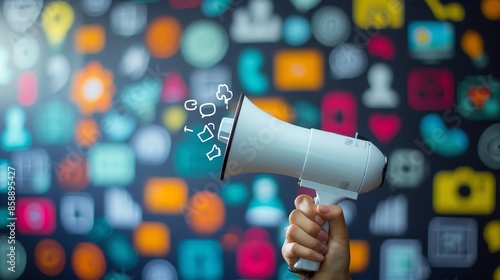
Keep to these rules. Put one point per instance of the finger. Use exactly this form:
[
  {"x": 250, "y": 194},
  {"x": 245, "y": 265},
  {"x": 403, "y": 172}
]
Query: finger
[
  {"x": 335, "y": 217},
  {"x": 292, "y": 251},
  {"x": 306, "y": 204},
  {"x": 296, "y": 234},
  {"x": 297, "y": 217}
]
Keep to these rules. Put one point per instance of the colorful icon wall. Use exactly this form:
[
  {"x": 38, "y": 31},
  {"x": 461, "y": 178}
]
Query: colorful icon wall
[{"x": 110, "y": 112}]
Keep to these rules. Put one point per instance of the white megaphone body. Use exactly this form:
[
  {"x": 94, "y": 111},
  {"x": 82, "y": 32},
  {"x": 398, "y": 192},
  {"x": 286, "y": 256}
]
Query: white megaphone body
[{"x": 336, "y": 166}]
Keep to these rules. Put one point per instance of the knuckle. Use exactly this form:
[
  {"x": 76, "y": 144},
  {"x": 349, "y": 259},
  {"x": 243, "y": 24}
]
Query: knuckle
[
  {"x": 286, "y": 251},
  {"x": 312, "y": 229},
  {"x": 291, "y": 231},
  {"x": 337, "y": 211},
  {"x": 293, "y": 215},
  {"x": 317, "y": 246},
  {"x": 295, "y": 249},
  {"x": 310, "y": 255},
  {"x": 283, "y": 249}
]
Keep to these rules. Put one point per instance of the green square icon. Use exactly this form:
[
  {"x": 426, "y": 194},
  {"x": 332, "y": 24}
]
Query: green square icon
[
  {"x": 479, "y": 98},
  {"x": 111, "y": 164}
]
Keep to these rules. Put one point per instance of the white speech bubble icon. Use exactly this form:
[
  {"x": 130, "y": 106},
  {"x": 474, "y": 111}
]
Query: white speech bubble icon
[{"x": 203, "y": 115}]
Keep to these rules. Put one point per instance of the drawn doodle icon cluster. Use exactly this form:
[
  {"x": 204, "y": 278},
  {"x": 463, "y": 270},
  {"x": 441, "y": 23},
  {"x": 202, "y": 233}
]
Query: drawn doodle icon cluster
[{"x": 209, "y": 109}]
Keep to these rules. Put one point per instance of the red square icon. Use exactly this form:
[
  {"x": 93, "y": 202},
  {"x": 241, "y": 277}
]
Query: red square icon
[
  {"x": 36, "y": 216},
  {"x": 431, "y": 89},
  {"x": 184, "y": 4},
  {"x": 338, "y": 113}
]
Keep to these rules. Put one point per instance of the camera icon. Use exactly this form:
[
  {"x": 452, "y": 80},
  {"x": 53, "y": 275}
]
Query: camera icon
[{"x": 464, "y": 191}]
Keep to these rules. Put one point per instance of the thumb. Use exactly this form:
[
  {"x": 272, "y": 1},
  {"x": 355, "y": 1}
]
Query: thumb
[{"x": 334, "y": 215}]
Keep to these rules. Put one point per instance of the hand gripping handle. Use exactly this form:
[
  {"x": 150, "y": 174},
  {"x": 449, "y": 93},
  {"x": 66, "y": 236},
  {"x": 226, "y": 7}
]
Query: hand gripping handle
[{"x": 328, "y": 199}]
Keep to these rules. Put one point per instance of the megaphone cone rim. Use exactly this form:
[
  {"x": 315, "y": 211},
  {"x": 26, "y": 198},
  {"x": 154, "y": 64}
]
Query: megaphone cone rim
[{"x": 230, "y": 140}]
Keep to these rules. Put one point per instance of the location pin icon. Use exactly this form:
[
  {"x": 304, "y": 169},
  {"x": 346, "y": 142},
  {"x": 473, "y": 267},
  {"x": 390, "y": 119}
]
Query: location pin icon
[{"x": 57, "y": 19}]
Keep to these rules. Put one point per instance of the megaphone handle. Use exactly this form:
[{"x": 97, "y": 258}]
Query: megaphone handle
[{"x": 332, "y": 199}]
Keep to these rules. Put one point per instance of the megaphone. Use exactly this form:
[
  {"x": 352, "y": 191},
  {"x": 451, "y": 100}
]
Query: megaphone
[{"x": 336, "y": 166}]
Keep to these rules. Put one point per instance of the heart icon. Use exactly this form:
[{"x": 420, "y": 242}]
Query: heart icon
[
  {"x": 384, "y": 127},
  {"x": 479, "y": 95}
]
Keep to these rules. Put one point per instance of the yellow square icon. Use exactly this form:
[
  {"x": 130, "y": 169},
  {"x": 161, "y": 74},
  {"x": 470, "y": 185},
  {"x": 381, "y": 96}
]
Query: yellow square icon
[
  {"x": 165, "y": 195},
  {"x": 378, "y": 14},
  {"x": 464, "y": 191},
  {"x": 299, "y": 70}
]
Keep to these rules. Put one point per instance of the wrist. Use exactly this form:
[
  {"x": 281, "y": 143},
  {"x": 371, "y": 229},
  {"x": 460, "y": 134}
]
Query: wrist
[{"x": 342, "y": 276}]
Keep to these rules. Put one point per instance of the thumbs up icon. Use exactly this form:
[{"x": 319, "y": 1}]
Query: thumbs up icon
[{"x": 215, "y": 152}]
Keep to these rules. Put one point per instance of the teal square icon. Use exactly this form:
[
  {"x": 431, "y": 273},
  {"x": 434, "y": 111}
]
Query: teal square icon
[
  {"x": 111, "y": 164},
  {"x": 478, "y": 98},
  {"x": 200, "y": 259},
  {"x": 54, "y": 123}
]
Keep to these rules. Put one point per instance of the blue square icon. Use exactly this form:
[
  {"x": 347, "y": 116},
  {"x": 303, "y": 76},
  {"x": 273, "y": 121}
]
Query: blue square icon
[
  {"x": 452, "y": 242},
  {"x": 431, "y": 40},
  {"x": 33, "y": 174}
]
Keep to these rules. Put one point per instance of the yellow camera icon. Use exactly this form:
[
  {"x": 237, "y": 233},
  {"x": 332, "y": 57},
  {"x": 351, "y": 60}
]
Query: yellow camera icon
[
  {"x": 464, "y": 191},
  {"x": 378, "y": 14}
]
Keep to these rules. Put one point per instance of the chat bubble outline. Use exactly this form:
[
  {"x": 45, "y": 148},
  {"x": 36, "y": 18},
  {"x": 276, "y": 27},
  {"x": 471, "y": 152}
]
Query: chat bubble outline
[{"x": 207, "y": 115}]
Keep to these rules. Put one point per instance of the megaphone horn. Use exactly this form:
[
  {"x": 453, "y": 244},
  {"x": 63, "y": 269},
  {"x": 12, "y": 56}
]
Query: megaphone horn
[{"x": 336, "y": 166}]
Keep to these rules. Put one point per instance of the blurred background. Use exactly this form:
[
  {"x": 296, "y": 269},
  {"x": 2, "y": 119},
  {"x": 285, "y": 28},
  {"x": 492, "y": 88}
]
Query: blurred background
[{"x": 108, "y": 111}]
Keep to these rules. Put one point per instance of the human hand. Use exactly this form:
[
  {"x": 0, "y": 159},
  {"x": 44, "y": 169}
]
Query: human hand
[{"x": 306, "y": 238}]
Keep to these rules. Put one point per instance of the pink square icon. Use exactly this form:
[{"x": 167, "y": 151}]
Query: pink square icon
[
  {"x": 36, "y": 216},
  {"x": 430, "y": 89},
  {"x": 256, "y": 255},
  {"x": 339, "y": 113}
]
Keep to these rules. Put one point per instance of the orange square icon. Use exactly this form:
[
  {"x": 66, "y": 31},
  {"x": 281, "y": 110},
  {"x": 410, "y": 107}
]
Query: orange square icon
[
  {"x": 90, "y": 39},
  {"x": 275, "y": 106},
  {"x": 360, "y": 255},
  {"x": 299, "y": 70},
  {"x": 152, "y": 239},
  {"x": 165, "y": 195}
]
